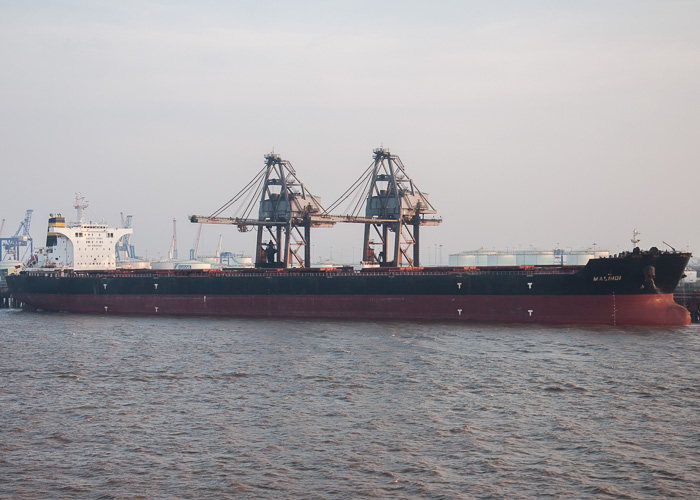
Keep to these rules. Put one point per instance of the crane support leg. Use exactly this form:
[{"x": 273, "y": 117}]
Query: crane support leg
[
  {"x": 307, "y": 249},
  {"x": 259, "y": 251},
  {"x": 416, "y": 243},
  {"x": 397, "y": 244}
]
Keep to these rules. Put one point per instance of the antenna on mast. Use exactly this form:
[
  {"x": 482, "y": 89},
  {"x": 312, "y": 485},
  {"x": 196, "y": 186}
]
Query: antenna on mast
[
  {"x": 635, "y": 240},
  {"x": 80, "y": 205}
]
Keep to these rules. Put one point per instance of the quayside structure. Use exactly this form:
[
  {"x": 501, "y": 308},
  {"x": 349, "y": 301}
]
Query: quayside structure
[{"x": 394, "y": 211}]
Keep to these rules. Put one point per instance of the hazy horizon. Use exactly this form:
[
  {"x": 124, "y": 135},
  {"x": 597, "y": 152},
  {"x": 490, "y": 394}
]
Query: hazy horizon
[{"x": 546, "y": 124}]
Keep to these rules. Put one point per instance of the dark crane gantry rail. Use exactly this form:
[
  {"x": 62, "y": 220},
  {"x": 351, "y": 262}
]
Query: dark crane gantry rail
[{"x": 288, "y": 211}]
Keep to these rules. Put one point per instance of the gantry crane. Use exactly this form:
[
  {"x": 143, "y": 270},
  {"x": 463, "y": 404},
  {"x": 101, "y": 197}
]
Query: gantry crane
[
  {"x": 286, "y": 211},
  {"x": 393, "y": 203},
  {"x": 11, "y": 248}
]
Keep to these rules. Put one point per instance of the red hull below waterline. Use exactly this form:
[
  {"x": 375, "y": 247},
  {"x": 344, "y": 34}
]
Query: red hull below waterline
[{"x": 650, "y": 310}]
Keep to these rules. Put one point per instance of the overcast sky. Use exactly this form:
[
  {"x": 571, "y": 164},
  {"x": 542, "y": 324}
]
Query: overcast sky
[{"x": 538, "y": 123}]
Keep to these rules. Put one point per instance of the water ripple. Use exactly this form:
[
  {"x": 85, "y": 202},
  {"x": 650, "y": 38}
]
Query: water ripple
[{"x": 103, "y": 407}]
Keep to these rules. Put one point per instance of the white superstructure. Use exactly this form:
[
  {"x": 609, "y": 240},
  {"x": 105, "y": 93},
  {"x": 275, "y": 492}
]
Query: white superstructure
[{"x": 81, "y": 245}]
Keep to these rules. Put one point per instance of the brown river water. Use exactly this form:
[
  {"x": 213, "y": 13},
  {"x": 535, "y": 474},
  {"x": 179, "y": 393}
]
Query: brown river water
[{"x": 129, "y": 407}]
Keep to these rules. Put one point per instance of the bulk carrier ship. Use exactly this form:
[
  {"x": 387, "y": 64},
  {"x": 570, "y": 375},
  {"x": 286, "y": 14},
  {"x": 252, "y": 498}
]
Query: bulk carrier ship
[{"x": 632, "y": 288}]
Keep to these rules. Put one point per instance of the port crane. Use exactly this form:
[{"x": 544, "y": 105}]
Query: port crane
[
  {"x": 195, "y": 247},
  {"x": 172, "y": 252},
  {"x": 392, "y": 204},
  {"x": 124, "y": 246},
  {"x": 287, "y": 211},
  {"x": 11, "y": 248}
]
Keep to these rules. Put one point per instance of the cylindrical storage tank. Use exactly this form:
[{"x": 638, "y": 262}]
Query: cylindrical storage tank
[
  {"x": 501, "y": 259},
  {"x": 163, "y": 264},
  {"x": 526, "y": 258},
  {"x": 244, "y": 261},
  {"x": 580, "y": 258},
  {"x": 134, "y": 264},
  {"x": 535, "y": 258},
  {"x": 462, "y": 260},
  {"x": 482, "y": 258},
  {"x": 192, "y": 264},
  {"x": 545, "y": 258},
  {"x": 506, "y": 259}
]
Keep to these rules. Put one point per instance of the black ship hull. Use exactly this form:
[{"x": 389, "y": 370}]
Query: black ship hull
[{"x": 632, "y": 289}]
